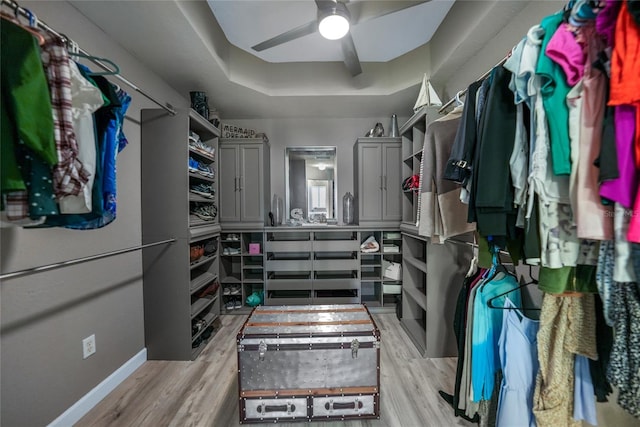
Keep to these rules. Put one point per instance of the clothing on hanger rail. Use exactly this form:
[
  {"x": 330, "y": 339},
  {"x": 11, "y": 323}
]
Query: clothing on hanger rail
[{"x": 42, "y": 25}]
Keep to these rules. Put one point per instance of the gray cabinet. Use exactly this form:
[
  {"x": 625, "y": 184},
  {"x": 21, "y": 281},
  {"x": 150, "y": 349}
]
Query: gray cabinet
[
  {"x": 244, "y": 182},
  {"x": 179, "y": 188},
  {"x": 315, "y": 266},
  {"x": 378, "y": 181}
]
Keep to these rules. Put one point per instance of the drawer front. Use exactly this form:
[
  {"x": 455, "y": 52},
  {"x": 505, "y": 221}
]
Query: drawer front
[
  {"x": 335, "y": 245},
  {"x": 391, "y": 289},
  {"x": 288, "y": 265},
  {"x": 341, "y": 406},
  {"x": 335, "y": 264},
  {"x": 295, "y": 246},
  {"x": 272, "y": 409},
  {"x": 275, "y": 300},
  {"x": 336, "y": 284},
  {"x": 288, "y": 284}
]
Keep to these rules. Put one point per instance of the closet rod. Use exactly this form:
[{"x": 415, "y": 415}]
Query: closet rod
[
  {"x": 27, "y": 14},
  {"x": 81, "y": 260},
  {"x": 473, "y": 245},
  {"x": 482, "y": 77}
]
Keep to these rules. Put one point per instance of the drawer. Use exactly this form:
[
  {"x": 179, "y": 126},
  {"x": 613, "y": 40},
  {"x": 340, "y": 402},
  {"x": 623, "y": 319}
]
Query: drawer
[
  {"x": 335, "y": 264},
  {"x": 289, "y": 284},
  {"x": 288, "y": 265},
  {"x": 289, "y": 246},
  {"x": 343, "y": 406},
  {"x": 391, "y": 289},
  {"x": 273, "y": 409},
  {"x": 278, "y": 300},
  {"x": 336, "y": 245},
  {"x": 336, "y": 284}
]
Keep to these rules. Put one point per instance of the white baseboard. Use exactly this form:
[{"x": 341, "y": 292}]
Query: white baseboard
[{"x": 99, "y": 392}]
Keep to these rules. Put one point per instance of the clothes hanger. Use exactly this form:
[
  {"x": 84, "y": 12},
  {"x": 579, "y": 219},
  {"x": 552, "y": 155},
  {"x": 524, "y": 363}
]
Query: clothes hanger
[
  {"x": 74, "y": 50},
  {"x": 96, "y": 59},
  {"x": 459, "y": 102},
  {"x": 532, "y": 281},
  {"x": 31, "y": 28}
]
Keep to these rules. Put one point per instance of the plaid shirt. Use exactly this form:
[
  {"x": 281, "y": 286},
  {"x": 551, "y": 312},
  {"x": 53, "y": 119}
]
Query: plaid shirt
[{"x": 69, "y": 175}]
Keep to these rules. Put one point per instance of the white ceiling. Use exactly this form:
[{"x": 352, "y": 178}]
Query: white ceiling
[
  {"x": 182, "y": 42},
  {"x": 247, "y": 23}
]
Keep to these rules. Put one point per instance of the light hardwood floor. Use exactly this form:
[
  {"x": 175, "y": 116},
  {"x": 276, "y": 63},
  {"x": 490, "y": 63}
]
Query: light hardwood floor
[{"x": 205, "y": 392}]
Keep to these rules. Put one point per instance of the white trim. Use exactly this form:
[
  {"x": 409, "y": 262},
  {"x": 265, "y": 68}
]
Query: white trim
[{"x": 99, "y": 392}]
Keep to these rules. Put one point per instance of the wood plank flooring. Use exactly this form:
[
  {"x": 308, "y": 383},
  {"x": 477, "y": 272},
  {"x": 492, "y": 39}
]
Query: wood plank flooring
[{"x": 204, "y": 393}]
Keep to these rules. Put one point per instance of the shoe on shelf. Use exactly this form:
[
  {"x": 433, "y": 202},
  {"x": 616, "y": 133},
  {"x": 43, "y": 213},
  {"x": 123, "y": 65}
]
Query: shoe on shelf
[
  {"x": 204, "y": 190},
  {"x": 206, "y": 170},
  {"x": 194, "y": 136},
  {"x": 226, "y": 290},
  {"x": 193, "y": 164},
  {"x": 207, "y": 212},
  {"x": 235, "y": 290},
  {"x": 237, "y": 304},
  {"x": 211, "y": 247},
  {"x": 229, "y": 305}
]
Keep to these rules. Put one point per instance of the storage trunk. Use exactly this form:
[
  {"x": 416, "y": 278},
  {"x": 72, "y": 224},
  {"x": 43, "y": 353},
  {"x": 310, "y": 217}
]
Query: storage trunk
[{"x": 309, "y": 363}]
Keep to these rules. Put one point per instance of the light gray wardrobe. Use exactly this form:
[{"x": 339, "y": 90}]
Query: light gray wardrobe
[
  {"x": 378, "y": 181},
  {"x": 244, "y": 182}
]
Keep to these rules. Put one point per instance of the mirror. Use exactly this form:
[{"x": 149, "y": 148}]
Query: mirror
[{"x": 310, "y": 177}]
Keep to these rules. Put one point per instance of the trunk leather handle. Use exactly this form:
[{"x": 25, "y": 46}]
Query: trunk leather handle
[
  {"x": 331, "y": 405},
  {"x": 288, "y": 408}
]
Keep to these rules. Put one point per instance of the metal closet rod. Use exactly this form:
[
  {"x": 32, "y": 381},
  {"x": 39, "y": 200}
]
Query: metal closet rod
[
  {"x": 464, "y": 91},
  {"x": 42, "y": 25},
  {"x": 81, "y": 260}
]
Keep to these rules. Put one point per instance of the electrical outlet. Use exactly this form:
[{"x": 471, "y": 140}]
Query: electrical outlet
[{"x": 88, "y": 346}]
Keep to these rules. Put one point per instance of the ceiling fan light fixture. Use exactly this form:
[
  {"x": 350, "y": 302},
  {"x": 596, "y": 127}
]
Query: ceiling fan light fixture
[{"x": 334, "y": 22}]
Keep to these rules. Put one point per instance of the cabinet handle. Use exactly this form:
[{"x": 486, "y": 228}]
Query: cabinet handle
[{"x": 235, "y": 183}]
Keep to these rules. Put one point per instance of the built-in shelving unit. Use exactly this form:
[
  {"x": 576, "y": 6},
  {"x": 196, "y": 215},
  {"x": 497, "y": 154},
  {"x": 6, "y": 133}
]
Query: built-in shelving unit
[
  {"x": 179, "y": 200},
  {"x": 242, "y": 269},
  {"x": 412, "y": 135},
  {"x": 432, "y": 275},
  {"x": 381, "y": 284}
]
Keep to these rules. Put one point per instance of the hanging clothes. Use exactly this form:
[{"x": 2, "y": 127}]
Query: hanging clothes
[
  {"x": 69, "y": 175},
  {"x": 554, "y": 91},
  {"x": 487, "y": 324},
  {"x": 86, "y": 98},
  {"x": 442, "y": 215},
  {"x": 27, "y": 149},
  {"x": 492, "y": 192},
  {"x": 519, "y": 362}
]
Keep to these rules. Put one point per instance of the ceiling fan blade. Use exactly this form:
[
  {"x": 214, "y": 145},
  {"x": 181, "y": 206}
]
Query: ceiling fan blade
[
  {"x": 351, "y": 59},
  {"x": 296, "y": 33},
  {"x": 363, "y": 11}
]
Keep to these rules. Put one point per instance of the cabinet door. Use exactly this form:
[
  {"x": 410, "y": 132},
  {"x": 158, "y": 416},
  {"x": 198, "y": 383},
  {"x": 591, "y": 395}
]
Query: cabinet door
[
  {"x": 229, "y": 177},
  {"x": 370, "y": 182},
  {"x": 251, "y": 183},
  {"x": 392, "y": 182}
]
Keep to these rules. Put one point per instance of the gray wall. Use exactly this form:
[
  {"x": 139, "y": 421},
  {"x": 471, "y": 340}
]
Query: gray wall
[
  {"x": 45, "y": 316},
  {"x": 339, "y": 132}
]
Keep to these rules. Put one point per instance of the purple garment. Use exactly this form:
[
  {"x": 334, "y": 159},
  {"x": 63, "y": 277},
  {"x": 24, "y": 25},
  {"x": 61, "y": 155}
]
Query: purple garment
[
  {"x": 623, "y": 188},
  {"x": 606, "y": 20},
  {"x": 564, "y": 50}
]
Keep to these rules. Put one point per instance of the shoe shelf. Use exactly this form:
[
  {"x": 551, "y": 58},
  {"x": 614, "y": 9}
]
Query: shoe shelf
[
  {"x": 197, "y": 175},
  {"x": 379, "y": 290},
  {"x": 200, "y": 304},
  {"x": 199, "y": 342},
  {"x": 201, "y": 281},
  {"x": 242, "y": 265},
  {"x": 207, "y": 320},
  {"x": 202, "y": 199},
  {"x": 203, "y": 155}
]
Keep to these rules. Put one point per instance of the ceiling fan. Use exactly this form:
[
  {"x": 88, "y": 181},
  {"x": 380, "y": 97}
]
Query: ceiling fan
[{"x": 334, "y": 12}]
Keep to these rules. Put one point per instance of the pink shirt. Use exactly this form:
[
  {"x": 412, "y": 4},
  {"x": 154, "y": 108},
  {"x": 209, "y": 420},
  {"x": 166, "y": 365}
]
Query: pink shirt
[{"x": 564, "y": 50}]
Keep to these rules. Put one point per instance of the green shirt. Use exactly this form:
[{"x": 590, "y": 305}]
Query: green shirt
[{"x": 554, "y": 90}]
